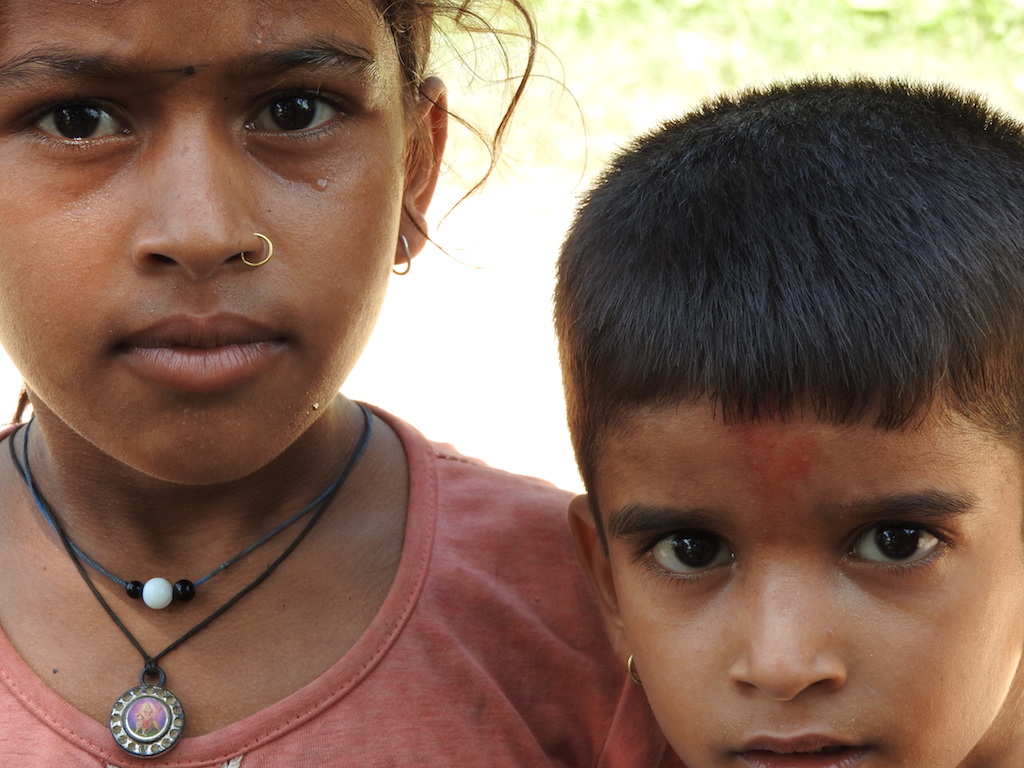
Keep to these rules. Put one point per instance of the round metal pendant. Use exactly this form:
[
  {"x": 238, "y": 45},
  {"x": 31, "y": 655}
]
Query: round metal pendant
[{"x": 147, "y": 720}]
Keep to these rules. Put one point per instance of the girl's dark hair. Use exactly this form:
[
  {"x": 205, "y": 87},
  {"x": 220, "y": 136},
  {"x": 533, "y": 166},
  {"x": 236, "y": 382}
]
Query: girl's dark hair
[
  {"x": 415, "y": 24},
  {"x": 852, "y": 248}
]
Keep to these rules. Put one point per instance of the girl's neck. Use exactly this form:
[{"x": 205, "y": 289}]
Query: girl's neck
[{"x": 108, "y": 508}]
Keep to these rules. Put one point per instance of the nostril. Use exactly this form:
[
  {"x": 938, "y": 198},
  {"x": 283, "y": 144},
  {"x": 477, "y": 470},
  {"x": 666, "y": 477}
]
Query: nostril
[{"x": 198, "y": 255}]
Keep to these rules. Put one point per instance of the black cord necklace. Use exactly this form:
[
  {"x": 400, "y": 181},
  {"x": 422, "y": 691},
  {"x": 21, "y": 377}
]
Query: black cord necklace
[
  {"x": 148, "y": 719},
  {"x": 159, "y": 592}
]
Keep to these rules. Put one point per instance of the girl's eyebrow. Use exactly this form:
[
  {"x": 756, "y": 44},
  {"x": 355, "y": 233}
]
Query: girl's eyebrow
[
  {"x": 343, "y": 53},
  {"x": 638, "y": 519},
  {"x": 62, "y": 64},
  {"x": 55, "y": 63}
]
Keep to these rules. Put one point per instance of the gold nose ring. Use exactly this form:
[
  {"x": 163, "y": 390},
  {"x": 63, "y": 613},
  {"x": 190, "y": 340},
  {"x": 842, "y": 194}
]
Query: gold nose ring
[{"x": 265, "y": 259}]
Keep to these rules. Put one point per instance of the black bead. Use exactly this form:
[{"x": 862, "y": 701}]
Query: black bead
[
  {"x": 184, "y": 590},
  {"x": 134, "y": 589}
]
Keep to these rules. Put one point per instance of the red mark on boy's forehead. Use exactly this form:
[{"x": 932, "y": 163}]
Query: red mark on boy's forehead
[{"x": 779, "y": 458}]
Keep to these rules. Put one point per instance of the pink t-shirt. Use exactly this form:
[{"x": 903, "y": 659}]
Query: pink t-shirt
[{"x": 488, "y": 651}]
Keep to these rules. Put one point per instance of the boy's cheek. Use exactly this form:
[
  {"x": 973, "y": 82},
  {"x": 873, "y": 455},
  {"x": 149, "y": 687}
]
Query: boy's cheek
[{"x": 594, "y": 560}]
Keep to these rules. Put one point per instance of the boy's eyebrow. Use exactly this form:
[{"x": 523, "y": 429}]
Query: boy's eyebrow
[
  {"x": 62, "y": 63},
  {"x": 916, "y": 506},
  {"x": 637, "y": 519}
]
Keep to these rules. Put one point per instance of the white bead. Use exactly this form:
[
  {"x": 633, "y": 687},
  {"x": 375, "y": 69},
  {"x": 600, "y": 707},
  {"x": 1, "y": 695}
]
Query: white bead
[{"x": 157, "y": 593}]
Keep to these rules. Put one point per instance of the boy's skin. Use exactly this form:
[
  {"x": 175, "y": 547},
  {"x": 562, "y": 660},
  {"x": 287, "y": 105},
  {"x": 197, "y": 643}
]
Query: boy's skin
[
  {"x": 791, "y": 325},
  {"x": 766, "y": 618}
]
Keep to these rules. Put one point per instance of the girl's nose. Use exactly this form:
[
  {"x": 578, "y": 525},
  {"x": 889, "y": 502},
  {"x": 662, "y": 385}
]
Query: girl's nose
[
  {"x": 196, "y": 216},
  {"x": 788, "y": 643}
]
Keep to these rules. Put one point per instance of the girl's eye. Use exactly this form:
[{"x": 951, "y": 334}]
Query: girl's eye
[
  {"x": 897, "y": 543},
  {"x": 294, "y": 113},
  {"x": 79, "y": 122},
  {"x": 690, "y": 552}
]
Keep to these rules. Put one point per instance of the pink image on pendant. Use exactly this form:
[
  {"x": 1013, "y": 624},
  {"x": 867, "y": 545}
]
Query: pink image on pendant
[{"x": 146, "y": 719}]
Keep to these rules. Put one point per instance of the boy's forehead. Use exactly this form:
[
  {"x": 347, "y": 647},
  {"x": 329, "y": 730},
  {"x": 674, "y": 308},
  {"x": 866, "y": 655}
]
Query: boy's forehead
[
  {"x": 687, "y": 455},
  {"x": 701, "y": 422},
  {"x": 674, "y": 440},
  {"x": 693, "y": 421}
]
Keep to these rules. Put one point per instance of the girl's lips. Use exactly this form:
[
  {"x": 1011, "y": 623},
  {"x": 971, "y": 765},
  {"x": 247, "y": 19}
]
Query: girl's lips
[
  {"x": 202, "y": 354},
  {"x": 830, "y": 755}
]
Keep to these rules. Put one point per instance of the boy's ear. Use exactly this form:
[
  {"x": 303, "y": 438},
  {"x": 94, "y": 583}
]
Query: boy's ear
[
  {"x": 590, "y": 551},
  {"x": 424, "y": 162}
]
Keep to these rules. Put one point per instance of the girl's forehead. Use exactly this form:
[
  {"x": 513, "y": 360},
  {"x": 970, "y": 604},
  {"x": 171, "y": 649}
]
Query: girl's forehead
[{"x": 185, "y": 29}]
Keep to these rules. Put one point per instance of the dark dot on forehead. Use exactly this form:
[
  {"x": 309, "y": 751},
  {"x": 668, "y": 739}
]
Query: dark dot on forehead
[{"x": 190, "y": 70}]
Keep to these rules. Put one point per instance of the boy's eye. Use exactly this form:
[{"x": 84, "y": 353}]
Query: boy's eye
[
  {"x": 895, "y": 543},
  {"x": 690, "y": 552},
  {"x": 78, "y": 122},
  {"x": 294, "y": 113}
]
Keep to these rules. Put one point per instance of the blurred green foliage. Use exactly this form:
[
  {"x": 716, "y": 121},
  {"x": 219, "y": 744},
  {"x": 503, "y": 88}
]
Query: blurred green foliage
[
  {"x": 949, "y": 22},
  {"x": 611, "y": 69},
  {"x": 629, "y": 64}
]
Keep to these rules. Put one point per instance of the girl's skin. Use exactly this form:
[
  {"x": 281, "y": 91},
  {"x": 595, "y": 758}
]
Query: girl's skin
[
  {"x": 789, "y": 586},
  {"x": 185, "y": 402}
]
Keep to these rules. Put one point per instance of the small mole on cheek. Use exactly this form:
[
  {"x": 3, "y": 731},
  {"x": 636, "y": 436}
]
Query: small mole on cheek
[{"x": 189, "y": 70}]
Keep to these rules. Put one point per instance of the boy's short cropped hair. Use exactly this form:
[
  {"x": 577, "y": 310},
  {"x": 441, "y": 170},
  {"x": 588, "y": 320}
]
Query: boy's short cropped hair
[{"x": 847, "y": 248}]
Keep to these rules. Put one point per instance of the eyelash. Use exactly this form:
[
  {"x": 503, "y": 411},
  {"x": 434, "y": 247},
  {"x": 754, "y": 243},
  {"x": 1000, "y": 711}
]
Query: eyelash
[
  {"x": 341, "y": 106},
  {"x": 645, "y": 550},
  {"x": 31, "y": 120},
  {"x": 645, "y": 556},
  {"x": 943, "y": 544}
]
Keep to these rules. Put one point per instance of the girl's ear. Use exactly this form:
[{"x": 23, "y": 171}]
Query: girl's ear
[
  {"x": 591, "y": 552},
  {"x": 424, "y": 162}
]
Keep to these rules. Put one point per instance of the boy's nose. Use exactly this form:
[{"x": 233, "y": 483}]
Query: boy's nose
[
  {"x": 196, "y": 215},
  {"x": 788, "y": 641}
]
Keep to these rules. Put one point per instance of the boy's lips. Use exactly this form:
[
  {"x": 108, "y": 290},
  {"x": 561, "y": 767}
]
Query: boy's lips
[
  {"x": 801, "y": 752},
  {"x": 201, "y": 353}
]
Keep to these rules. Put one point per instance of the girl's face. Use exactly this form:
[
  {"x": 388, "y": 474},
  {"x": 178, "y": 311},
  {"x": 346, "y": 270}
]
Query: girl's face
[
  {"x": 800, "y": 594},
  {"x": 143, "y": 143}
]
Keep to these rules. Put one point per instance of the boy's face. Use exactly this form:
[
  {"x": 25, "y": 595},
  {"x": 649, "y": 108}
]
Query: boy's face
[{"x": 800, "y": 594}]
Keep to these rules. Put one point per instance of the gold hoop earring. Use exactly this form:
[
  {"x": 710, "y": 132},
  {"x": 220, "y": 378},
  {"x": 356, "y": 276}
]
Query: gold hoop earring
[
  {"x": 631, "y": 668},
  {"x": 408, "y": 257},
  {"x": 265, "y": 259}
]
